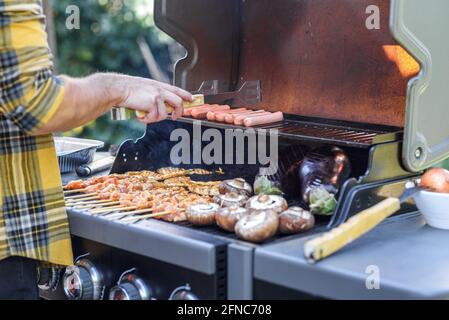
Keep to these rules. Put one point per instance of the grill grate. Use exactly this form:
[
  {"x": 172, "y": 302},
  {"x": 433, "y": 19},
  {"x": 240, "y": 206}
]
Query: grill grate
[
  {"x": 322, "y": 130},
  {"x": 321, "y": 225}
]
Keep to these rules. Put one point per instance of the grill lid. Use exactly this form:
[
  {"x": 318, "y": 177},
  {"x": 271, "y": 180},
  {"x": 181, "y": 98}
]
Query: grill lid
[{"x": 421, "y": 27}]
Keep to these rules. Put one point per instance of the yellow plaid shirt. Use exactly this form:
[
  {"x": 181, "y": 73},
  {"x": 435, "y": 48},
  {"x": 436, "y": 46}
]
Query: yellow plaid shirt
[{"x": 33, "y": 220}]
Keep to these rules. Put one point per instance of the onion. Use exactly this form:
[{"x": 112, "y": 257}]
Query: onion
[{"x": 436, "y": 180}]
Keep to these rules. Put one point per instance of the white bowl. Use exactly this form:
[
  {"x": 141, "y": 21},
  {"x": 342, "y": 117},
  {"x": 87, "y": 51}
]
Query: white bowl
[{"x": 435, "y": 208}]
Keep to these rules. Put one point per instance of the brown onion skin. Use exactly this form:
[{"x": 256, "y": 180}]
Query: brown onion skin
[{"x": 436, "y": 180}]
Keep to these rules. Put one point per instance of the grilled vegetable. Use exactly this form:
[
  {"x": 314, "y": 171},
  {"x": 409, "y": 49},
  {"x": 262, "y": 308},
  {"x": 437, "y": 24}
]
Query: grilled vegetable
[
  {"x": 295, "y": 220},
  {"x": 202, "y": 214},
  {"x": 230, "y": 199},
  {"x": 238, "y": 185},
  {"x": 262, "y": 185},
  {"x": 328, "y": 167},
  {"x": 321, "y": 201},
  {"x": 227, "y": 218},
  {"x": 436, "y": 180},
  {"x": 258, "y": 226},
  {"x": 267, "y": 202}
]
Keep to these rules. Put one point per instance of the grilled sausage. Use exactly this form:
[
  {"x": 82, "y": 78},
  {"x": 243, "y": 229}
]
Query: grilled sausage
[
  {"x": 238, "y": 119},
  {"x": 188, "y": 112},
  {"x": 220, "y": 116},
  {"x": 230, "y": 117},
  {"x": 263, "y": 119},
  {"x": 202, "y": 113},
  {"x": 210, "y": 116}
]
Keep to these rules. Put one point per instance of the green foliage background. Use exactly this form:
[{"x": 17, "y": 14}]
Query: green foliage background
[{"x": 106, "y": 41}]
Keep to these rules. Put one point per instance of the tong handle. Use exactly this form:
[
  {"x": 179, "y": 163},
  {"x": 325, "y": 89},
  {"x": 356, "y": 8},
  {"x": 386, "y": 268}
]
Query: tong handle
[
  {"x": 198, "y": 100},
  {"x": 332, "y": 241}
]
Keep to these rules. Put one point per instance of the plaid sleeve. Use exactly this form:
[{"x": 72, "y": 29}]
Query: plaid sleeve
[{"x": 30, "y": 93}]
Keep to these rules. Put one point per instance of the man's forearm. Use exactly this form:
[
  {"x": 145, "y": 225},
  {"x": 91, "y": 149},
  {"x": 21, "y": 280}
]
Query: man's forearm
[{"x": 85, "y": 99}]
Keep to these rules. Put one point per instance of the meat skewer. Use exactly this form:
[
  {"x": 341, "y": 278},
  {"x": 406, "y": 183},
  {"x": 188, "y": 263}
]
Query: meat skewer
[
  {"x": 86, "y": 198},
  {"x": 80, "y": 196},
  {"x": 113, "y": 208},
  {"x": 95, "y": 202},
  {"x": 135, "y": 219},
  {"x": 97, "y": 205},
  {"x": 121, "y": 195},
  {"x": 74, "y": 191}
]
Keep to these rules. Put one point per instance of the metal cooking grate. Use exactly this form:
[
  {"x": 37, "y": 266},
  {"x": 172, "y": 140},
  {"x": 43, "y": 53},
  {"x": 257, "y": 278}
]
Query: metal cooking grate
[{"x": 320, "y": 130}]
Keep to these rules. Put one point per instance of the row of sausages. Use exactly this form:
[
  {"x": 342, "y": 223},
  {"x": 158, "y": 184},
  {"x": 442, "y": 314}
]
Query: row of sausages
[{"x": 238, "y": 117}]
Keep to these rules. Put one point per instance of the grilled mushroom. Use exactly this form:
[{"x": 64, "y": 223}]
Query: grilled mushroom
[
  {"x": 202, "y": 214},
  {"x": 231, "y": 199},
  {"x": 238, "y": 185},
  {"x": 258, "y": 226},
  {"x": 267, "y": 202},
  {"x": 295, "y": 220},
  {"x": 227, "y": 217}
]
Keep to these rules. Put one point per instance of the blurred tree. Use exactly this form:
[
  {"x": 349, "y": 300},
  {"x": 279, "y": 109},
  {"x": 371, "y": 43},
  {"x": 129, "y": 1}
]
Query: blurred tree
[{"x": 107, "y": 41}]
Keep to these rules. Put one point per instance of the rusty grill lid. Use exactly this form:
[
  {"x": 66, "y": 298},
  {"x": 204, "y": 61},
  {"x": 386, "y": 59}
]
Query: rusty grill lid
[{"x": 318, "y": 59}]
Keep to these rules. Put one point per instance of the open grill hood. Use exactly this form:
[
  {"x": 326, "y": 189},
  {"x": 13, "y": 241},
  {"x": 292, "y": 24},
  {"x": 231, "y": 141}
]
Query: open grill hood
[
  {"x": 317, "y": 58},
  {"x": 422, "y": 27}
]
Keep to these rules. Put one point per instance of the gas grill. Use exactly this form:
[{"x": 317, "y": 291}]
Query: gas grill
[{"x": 338, "y": 82}]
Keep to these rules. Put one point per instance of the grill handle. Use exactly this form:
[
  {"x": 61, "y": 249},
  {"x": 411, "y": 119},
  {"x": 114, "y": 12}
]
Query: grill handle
[{"x": 332, "y": 241}]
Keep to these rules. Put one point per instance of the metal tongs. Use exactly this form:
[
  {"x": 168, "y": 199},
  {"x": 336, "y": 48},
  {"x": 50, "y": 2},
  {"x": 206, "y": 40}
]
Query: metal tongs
[
  {"x": 248, "y": 93},
  {"x": 209, "y": 93}
]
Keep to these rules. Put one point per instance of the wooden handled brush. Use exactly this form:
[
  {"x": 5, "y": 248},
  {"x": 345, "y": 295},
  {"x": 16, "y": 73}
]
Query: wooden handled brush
[{"x": 332, "y": 241}]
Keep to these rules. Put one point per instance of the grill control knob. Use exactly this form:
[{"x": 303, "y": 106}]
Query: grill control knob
[
  {"x": 83, "y": 281},
  {"x": 125, "y": 291},
  {"x": 130, "y": 287},
  {"x": 48, "y": 278},
  {"x": 183, "y": 293}
]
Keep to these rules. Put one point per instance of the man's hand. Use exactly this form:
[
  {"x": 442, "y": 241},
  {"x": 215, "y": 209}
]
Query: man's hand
[
  {"x": 152, "y": 97},
  {"x": 86, "y": 99}
]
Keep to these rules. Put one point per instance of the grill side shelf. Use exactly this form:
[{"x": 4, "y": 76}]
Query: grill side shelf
[{"x": 320, "y": 130}]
